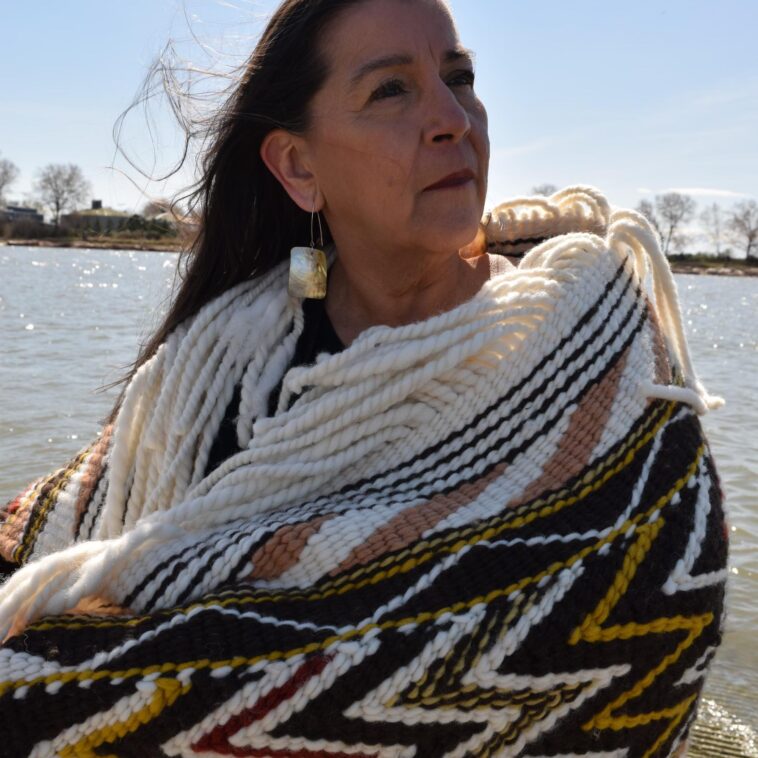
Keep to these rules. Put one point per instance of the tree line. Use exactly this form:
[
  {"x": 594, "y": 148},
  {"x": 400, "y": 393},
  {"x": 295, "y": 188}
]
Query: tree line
[
  {"x": 62, "y": 187},
  {"x": 738, "y": 226},
  {"x": 58, "y": 187},
  {"x": 670, "y": 212}
]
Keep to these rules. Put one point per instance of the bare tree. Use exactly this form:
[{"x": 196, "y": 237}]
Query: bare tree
[
  {"x": 743, "y": 226},
  {"x": 667, "y": 216},
  {"x": 544, "y": 189},
  {"x": 8, "y": 175},
  {"x": 60, "y": 187},
  {"x": 647, "y": 209},
  {"x": 674, "y": 210},
  {"x": 711, "y": 219}
]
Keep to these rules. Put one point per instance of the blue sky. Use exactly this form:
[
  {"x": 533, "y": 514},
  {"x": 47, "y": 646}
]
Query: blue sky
[{"x": 632, "y": 97}]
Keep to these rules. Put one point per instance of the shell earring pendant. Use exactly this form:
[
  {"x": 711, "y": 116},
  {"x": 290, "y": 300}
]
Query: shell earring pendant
[{"x": 307, "y": 277}]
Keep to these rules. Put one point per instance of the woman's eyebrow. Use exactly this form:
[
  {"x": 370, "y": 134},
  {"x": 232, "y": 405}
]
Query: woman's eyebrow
[{"x": 402, "y": 59}]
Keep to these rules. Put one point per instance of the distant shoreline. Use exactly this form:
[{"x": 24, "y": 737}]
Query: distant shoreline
[
  {"x": 140, "y": 245},
  {"x": 694, "y": 268},
  {"x": 701, "y": 264},
  {"x": 735, "y": 267}
]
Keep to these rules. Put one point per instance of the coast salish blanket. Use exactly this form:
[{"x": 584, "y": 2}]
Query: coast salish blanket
[{"x": 495, "y": 533}]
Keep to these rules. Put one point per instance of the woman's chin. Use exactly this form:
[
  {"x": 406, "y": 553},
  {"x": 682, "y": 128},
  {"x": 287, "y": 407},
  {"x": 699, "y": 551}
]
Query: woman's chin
[
  {"x": 448, "y": 235},
  {"x": 463, "y": 214}
]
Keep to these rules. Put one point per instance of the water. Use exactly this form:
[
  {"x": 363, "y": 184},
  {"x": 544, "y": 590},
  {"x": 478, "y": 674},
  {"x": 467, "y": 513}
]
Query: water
[
  {"x": 721, "y": 316},
  {"x": 71, "y": 320}
]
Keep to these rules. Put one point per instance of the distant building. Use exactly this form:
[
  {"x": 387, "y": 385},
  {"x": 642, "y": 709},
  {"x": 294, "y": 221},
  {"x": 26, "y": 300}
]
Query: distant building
[
  {"x": 96, "y": 218},
  {"x": 13, "y": 213}
]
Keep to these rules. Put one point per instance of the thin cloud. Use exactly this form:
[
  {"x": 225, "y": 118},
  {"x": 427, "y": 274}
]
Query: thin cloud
[
  {"x": 695, "y": 192},
  {"x": 744, "y": 91},
  {"x": 706, "y": 192}
]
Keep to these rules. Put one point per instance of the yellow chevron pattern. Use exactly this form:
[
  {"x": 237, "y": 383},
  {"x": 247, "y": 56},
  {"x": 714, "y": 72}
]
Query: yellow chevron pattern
[{"x": 593, "y": 630}]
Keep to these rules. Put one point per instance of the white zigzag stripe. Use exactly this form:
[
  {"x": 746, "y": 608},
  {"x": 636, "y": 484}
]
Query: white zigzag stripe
[{"x": 681, "y": 578}]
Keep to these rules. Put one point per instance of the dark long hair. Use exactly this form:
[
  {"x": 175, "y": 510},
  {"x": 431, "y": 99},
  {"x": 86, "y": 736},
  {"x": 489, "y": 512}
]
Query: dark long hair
[{"x": 247, "y": 222}]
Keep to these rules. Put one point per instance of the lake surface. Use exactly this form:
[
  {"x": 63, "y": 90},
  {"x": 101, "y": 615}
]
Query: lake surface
[{"x": 71, "y": 321}]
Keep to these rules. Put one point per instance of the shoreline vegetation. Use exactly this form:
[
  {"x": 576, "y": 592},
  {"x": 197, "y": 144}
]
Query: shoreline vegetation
[{"x": 680, "y": 264}]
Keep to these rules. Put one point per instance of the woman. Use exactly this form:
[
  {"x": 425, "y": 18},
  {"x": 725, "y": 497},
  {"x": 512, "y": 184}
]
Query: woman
[{"x": 456, "y": 508}]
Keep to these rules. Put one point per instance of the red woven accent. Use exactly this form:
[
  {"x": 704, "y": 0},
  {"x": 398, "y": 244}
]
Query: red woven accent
[
  {"x": 12, "y": 507},
  {"x": 218, "y": 739}
]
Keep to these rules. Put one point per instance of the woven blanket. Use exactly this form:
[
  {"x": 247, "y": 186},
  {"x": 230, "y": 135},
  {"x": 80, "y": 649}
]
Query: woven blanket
[{"x": 496, "y": 532}]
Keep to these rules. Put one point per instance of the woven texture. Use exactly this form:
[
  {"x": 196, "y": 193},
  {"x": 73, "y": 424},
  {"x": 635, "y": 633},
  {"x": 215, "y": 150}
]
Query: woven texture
[{"x": 495, "y": 533}]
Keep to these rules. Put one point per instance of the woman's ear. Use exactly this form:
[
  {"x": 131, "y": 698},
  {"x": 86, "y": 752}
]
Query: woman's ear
[{"x": 285, "y": 155}]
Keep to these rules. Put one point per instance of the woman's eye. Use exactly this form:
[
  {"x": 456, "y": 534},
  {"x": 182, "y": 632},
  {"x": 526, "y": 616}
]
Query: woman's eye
[
  {"x": 395, "y": 87},
  {"x": 466, "y": 78},
  {"x": 388, "y": 89}
]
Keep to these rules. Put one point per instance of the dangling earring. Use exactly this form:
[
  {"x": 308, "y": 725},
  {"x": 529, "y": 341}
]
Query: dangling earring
[{"x": 308, "y": 267}]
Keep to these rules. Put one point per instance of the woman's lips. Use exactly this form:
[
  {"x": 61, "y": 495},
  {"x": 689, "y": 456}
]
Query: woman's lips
[{"x": 453, "y": 180}]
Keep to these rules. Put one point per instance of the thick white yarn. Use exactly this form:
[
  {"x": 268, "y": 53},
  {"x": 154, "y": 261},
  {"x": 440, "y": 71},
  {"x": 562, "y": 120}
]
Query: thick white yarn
[{"x": 352, "y": 403}]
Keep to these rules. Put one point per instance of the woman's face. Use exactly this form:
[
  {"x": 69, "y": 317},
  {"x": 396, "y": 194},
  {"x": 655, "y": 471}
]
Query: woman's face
[{"x": 382, "y": 132}]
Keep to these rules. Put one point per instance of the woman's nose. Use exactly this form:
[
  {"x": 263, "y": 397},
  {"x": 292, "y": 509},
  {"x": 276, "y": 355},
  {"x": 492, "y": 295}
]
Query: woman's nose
[{"x": 446, "y": 118}]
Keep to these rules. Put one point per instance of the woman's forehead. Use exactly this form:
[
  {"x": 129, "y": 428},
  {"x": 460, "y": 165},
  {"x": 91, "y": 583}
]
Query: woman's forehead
[{"x": 376, "y": 32}]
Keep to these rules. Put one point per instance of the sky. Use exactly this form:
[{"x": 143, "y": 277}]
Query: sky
[{"x": 635, "y": 98}]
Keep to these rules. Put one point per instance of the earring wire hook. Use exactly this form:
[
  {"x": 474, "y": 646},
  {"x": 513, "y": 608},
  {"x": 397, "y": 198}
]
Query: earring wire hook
[{"x": 320, "y": 229}]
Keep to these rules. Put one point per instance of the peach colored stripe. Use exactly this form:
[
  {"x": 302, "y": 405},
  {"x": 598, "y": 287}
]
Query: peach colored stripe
[
  {"x": 283, "y": 549},
  {"x": 408, "y": 526},
  {"x": 92, "y": 474},
  {"x": 582, "y": 436},
  {"x": 14, "y": 519}
]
